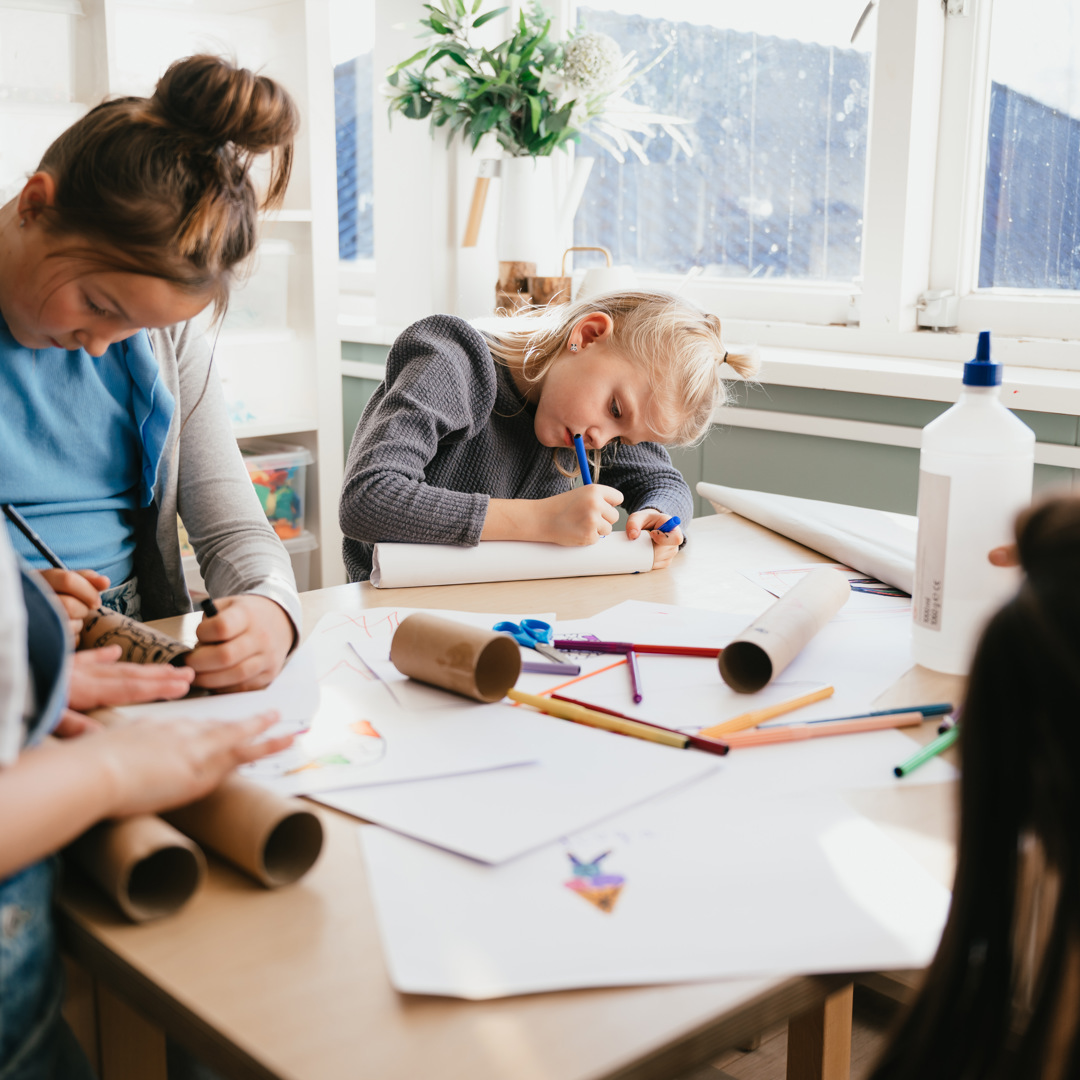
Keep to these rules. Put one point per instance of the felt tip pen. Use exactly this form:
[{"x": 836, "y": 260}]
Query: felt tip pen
[
  {"x": 671, "y": 523},
  {"x": 209, "y": 608},
  {"x": 582, "y": 460},
  {"x": 930, "y": 750},
  {"x": 635, "y": 676},
  {"x": 926, "y": 710},
  {"x": 23, "y": 526},
  {"x": 697, "y": 742}
]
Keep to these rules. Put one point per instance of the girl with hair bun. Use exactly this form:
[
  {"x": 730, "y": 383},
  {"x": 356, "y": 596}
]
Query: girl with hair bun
[
  {"x": 470, "y": 436},
  {"x": 140, "y": 216},
  {"x": 1001, "y": 1000}
]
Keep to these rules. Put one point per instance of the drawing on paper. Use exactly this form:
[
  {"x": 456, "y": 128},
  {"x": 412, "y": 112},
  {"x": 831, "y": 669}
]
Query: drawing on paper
[
  {"x": 592, "y": 884},
  {"x": 358, "y": 744}
]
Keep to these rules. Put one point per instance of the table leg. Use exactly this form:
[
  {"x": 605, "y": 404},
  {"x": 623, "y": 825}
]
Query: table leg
[
  {"x": 819, "y": 1040},
  {"x": 131, "y": 1047}
]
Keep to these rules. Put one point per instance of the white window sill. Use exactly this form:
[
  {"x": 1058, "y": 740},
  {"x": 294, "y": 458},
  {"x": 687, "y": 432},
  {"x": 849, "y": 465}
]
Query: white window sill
[{"x": 1038, "y": 389}]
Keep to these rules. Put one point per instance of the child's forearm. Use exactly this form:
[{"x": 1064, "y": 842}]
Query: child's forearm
[
  {"x": 513, "y": 519},
  {"x": 51, "y": 795}
]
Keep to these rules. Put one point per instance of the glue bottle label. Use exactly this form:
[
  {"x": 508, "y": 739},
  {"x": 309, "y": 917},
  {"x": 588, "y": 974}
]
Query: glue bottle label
[{"x": 930, "y": 549}]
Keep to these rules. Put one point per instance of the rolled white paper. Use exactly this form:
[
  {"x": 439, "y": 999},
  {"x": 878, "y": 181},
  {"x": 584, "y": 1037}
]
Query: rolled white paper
[
  {"x": 400, "y": 566},
  {"x": 879, "y": 544}
]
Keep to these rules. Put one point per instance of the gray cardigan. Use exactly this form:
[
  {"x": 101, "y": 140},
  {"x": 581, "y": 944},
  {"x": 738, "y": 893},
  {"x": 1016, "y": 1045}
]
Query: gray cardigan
[
  {"x": 446, "y": 431},
  {"x": 202, "y": 477}
]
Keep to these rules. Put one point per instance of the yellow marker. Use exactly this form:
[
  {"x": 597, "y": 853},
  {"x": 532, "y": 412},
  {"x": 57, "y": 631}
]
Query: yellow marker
[
  {"x": 759, "y": 716},
  {"x": 580, "y": 715}
]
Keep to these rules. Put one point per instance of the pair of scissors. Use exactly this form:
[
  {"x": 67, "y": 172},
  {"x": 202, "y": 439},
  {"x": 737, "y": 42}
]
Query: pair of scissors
[{"x": 533, "y": 634}]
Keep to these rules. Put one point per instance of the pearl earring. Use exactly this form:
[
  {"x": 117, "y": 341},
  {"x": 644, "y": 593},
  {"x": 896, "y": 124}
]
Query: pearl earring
[
  {"x": 22, "y": 223},
  {"x": 573, "y": 346}
]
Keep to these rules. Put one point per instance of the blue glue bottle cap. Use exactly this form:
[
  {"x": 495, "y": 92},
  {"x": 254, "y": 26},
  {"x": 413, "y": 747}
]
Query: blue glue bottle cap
[{"x": 980, "y": 371}]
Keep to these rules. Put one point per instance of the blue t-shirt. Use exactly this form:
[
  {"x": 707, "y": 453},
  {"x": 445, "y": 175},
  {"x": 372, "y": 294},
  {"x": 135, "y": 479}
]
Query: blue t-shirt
[{"x": 81, "y": 438}]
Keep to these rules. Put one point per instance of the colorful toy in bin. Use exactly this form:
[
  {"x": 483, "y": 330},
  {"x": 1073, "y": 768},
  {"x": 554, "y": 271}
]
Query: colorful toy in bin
[{"x": 279, "y": 473}]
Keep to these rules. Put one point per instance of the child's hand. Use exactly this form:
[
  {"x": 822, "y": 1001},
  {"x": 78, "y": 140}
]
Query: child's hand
[
  {"x": 79, "y": 591},
  {"x": 665, "y": 545},
  {"x": 98, "y": 678},
  {"x": 579, "y": 516},
  {"x": 152, "y": 765},
  {"x": 244, "y": 646}
]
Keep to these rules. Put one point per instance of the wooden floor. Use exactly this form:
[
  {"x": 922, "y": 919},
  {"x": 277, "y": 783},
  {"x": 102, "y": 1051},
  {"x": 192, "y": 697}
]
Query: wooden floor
[{"x": 872, "y": 1018}]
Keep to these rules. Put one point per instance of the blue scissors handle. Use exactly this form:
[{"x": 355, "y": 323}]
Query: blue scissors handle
[{"x": 533, "y": 634}]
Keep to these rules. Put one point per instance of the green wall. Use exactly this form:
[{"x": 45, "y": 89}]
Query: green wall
[{"x": 838, "y": 470}]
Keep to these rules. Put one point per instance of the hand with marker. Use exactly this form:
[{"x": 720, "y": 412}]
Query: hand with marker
[
  {"x": 578, "y": 517},
  {"x": 243, "y": 646},
  {"x": 665, "y": 532}
]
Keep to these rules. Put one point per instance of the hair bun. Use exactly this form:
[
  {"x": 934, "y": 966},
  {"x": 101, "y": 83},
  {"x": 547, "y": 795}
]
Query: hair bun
[{"x": 214, "y": 99}]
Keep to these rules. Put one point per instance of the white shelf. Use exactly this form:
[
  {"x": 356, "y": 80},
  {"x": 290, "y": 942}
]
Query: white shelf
[{"x": 286, "y": 425}]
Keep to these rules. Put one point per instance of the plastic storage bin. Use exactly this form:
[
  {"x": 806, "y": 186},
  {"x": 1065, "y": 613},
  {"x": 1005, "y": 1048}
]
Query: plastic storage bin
[
  {"x": 279, "y": 473},
  {"x": 261, "y": 302}
]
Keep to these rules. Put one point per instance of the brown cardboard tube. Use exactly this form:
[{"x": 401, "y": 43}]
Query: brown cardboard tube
[
  {"x": 140, "y": 644},
  {"x": 465, "y": 659},
  {"x": 773, "y": 640},
  {"x": 146, "y": 866},
  {"x": 274, "y": 839}
]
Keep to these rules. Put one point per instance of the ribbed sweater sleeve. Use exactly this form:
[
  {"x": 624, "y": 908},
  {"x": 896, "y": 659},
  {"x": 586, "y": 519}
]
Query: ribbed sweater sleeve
[
  {"x": 439, "y": 389},
  {"x": 646, "y": 477}
]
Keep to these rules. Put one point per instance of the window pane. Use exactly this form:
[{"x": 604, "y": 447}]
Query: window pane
[
  {"x": 1031, "y": 204},
  {"x": 353, "y": 30},
  {"x": 778, "y": 101}
]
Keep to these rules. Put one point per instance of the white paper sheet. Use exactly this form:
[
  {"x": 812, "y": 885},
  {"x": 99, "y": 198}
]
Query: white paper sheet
[
  {"x": 677, "y": 889},
  {"x": 861, "y": 656},
  {"x": 868, "y": 594},
  {"x": 397, "y": 566},
  {"x": 582, "y": 776},
  {"x": 878, "y": 543},
  {"x": 354, "y": 731}
]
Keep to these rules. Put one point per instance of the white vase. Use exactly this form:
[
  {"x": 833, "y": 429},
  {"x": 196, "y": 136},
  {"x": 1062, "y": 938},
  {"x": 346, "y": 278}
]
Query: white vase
[{"x": 526, "y": 211}]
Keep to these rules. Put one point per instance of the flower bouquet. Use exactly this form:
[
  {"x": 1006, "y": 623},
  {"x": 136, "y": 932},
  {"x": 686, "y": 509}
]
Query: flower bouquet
[{"x": 533, "y": 94}]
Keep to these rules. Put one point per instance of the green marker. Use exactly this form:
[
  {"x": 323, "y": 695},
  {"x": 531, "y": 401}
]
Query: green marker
[{"x": 932, "y": 749}]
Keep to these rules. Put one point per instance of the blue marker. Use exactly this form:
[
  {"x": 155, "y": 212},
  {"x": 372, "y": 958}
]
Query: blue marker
[
  {"x": 582, "y": 460},
  {"x": 668, "y": 525}
]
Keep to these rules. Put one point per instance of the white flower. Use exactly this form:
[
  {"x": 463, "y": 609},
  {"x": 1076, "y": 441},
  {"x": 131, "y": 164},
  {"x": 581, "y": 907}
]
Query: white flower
[
  {"x": 449, "y": 86},
  {"x": 591, "y": 60}
]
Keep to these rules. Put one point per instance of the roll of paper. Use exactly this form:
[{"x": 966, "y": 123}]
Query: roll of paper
[
  {"x": 775, "y": 638},
  {"x": 399, "y": 566},
  {"x": 140, "y": 644},
  {"x": 274, "y": 839},
  {"x": 464, "y": 659},
  {"x": 145, "y": 865},
  {"x": 877, "y": 543}
]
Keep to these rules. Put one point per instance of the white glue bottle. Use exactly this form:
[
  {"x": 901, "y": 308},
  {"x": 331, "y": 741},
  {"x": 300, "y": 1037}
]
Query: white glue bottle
[{"x": 975, "y": 475}]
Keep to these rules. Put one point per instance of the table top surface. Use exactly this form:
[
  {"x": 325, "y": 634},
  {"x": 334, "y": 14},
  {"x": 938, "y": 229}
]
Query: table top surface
[{"x": 292, "y": 983}]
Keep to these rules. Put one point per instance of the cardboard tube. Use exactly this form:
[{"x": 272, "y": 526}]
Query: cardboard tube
[
  {"x": 141, "y": 644},
  {"x": 146, "y": 866},
  {"x": 274, "y": 839},
  {"x": 772, "y": 641},
  {"x": 465, "y": 659}
]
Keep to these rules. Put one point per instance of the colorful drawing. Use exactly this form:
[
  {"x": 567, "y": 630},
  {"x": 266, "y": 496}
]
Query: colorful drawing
[
  {"x": 590, "y": 883},
  {"x": 360, "y": 744}
]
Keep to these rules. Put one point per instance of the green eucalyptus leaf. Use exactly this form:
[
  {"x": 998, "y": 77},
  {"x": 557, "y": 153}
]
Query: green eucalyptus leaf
[
  {"x": 405, "y": 63},
  {"x": 489, "y": 15}
]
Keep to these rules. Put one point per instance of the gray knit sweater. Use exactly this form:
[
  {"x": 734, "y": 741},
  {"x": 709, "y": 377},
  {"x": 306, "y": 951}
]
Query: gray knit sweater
[{"x": 446, "y": 431}]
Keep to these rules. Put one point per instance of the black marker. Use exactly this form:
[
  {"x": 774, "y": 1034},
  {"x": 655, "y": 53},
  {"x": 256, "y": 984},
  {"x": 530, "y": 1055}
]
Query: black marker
[
  {"x": 23, "y": 526},
  {"x": 209, "y": 608}
]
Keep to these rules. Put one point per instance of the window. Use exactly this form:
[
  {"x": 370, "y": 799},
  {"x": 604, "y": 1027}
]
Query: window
[
  {"x": 1031, "y": 203},
  {"x": 352, "y": 42},
  {"x": 778, "y": 105}
]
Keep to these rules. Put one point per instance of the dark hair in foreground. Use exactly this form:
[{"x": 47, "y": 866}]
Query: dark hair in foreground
[
  {"x": 1002, "y": 997},
  {"x": 161, "y": 185}
]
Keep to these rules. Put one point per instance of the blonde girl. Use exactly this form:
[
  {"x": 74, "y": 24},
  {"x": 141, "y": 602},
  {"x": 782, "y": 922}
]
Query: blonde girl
[{"x": 470, "y": 436}]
